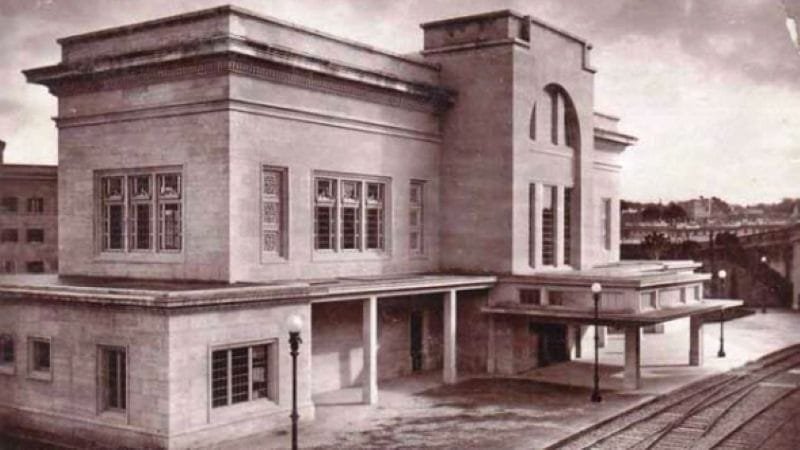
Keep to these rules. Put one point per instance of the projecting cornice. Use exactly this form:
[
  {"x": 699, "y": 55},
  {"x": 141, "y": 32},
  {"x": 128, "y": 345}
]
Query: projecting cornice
[
  {"x": 614, "y": 136},
  {"x": 227, "y": 54}
]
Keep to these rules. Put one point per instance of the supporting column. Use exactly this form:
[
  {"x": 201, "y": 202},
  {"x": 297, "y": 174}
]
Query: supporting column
[
  {"x": 370, "y": 337},
  {"x": 633, "y": 374},
  {"x": 602, "y": 330},
  {"x": 450, "y": 313},
  {"x": 491, "y": 357},
  {"x": 695, "y": 341}
]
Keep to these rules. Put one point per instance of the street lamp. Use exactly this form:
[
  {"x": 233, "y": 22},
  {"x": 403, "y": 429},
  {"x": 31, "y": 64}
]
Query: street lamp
[
  {"x": 764, "y": 274},
  {"x": 596, "y": 290},
  {"x": 721, "y": 353},
  {"x": 294, "y": 324}
]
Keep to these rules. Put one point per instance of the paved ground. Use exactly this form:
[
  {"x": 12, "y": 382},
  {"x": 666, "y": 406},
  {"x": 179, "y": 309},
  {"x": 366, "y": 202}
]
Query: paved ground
[{"x": 527, "y": 412}]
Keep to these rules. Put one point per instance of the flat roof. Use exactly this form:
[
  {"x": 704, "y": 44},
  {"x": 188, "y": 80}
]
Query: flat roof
[
  {"x": 173, "y": 294},
  {"x": 231, "y": 9},
  {"x": 560, "y": 314},
  {"x": 632, "y": 274}
]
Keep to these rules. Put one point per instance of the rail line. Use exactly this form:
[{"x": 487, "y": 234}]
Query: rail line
[{"x": 702, "y": 415}]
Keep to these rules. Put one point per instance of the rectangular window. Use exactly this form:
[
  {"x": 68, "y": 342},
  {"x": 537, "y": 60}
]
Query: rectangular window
[
  {"x": 241, "y": 374},
  {"x": 36, "y": 205},
  {"x": 349, "y": 214},
  {"x": 113, "y": 378},
  {"x": 9, "y": 205},
  {"x": 532, "y": 221},
  {"x": 605, "y": 218},
  {"x": 141, "y": 211},
  {"x": 35, "y": 267},
  {"x": 416, "y": 225},
  {"x": 568, "y": 225},
  {"x": 9, "y": 235},
  {"x": 6, "y": 350},
  {"x": 374, "y": 211},
  {"x": 34, "y": 235},
  {"x": 530, "y": 297},
  {"x": 325, "y": 214},
  {"x": 170, "y": 212},
  {"x": 40, "y": 355},
  {"x": 113, "y": 204},
  {"x": 273, "y": 215},
  {"x": 549, "y": 211}
]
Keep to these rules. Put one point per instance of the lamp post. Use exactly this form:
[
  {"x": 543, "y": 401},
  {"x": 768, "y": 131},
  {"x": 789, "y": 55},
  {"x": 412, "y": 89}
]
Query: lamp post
[
  {"x": 294, "y": 324},
  {"x": 764, "y": 274},
  {"x": 721, "y": 353},
  {"x": 596, "y": 290}
]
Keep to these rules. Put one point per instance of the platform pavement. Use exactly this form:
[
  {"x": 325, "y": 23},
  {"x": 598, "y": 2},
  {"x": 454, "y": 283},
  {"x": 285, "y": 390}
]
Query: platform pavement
[{"x": 534, "y": 410}]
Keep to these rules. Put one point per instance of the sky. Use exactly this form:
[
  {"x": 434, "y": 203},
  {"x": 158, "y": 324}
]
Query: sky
[{"x": 710, "y": 87}]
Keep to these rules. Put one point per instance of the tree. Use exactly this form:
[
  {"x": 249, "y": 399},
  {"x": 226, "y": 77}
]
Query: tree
[
  {"x": 655, "y": 244},
  {"x": 651, "y": 213},
  {"x": 674, "y": 213}
]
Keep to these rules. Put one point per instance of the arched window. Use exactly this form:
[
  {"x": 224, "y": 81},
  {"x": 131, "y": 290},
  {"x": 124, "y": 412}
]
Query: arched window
[
  {"x": 563, "y": 118},
  {"x": 532, "y": 130}
]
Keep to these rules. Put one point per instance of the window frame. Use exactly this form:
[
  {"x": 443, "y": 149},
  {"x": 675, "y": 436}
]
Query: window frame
[
  {"x": 6, "y": 233},
  {"x": 30, "y": 234},
  {"x": 417, "y": 208},
  {"x": 10, "y": 367},
  {"x": 126, "y": 202},
  {"x": 283, "y": 208},
  {"x": 101, "y": 378},
  {"x": 35, "y": 205},
  {"x": 606, "y": 209},
  {"x": 9, "y": 205},
  {"x": 363, "y": 205},
  {"x": 33, "y": 372},
  {"x": 272, "y": 373}
]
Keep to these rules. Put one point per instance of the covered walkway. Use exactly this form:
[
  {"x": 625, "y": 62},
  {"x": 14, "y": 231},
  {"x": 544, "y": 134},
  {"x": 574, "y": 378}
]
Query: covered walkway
[{"x": 532, "y": 412}]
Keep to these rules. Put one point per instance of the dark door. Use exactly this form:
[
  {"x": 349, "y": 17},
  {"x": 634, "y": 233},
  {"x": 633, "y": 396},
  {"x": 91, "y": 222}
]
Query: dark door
[
  {"x": 552, "y": 344},
  {"x": 416, "y": 341}
]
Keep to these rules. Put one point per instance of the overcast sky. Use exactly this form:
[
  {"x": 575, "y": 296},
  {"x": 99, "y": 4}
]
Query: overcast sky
[{"x": 710, "y": 87}]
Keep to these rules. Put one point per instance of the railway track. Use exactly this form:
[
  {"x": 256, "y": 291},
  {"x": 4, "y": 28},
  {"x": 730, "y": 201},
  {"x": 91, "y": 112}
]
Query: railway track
[{"x": 727, "y": 411}]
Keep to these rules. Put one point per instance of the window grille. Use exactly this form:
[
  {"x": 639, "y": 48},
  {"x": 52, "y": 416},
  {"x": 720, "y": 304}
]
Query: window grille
[
  {"x": 142, "y": 211},
  {"x": 273, "y": 214},
  {"x": 240, "y": 374},
  {"x": 349, "y": 214},
  {"x": 416, "y": 229},
  {"x": 113, "y": 378}
]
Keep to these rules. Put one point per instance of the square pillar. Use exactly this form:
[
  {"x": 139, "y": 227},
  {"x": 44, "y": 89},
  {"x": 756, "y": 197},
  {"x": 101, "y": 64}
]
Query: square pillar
[
  {"x": 633, "y": 358},
  {"x": 450, "y": 313},
  {"x": 602, "y": 331},
  {"x": 370, "y": 338},
  {"x": 695, "y": 341},
  {"x": 491, "y": 362}
]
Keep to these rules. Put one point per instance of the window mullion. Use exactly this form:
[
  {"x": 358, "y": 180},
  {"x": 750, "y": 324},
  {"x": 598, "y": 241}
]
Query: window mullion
[
  {"x": 250, "y": 373},
  {"x": 362, "y": 215},
  {"x": 229, "y": 375}
]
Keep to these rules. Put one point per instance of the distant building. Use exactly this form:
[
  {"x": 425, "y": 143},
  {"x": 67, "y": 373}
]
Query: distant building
[
  {"x": 28, "y": 217},
  {"x": 221, "y": 171},
  {"x": 699, "y": 209}
]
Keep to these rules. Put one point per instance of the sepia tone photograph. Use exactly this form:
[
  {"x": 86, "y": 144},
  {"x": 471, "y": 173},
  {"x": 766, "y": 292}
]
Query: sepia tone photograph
[{"x": 399, "y": 224}]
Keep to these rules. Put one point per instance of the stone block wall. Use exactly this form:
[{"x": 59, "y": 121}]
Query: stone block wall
[
  {"x": 193, "y": 335},
  {"x": 66, "y": 406}
]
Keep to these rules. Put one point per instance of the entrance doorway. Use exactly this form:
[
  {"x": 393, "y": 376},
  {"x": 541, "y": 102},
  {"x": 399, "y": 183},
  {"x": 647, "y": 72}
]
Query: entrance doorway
[
  {"x": 552, "y": 346},
  {"x": 416, "y": 341}
]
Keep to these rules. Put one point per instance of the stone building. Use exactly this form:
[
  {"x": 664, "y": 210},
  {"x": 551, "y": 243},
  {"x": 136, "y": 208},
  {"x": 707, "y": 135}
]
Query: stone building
[
  {"x": 220, "y": 171},
  {"x": 28, "y": 217}
]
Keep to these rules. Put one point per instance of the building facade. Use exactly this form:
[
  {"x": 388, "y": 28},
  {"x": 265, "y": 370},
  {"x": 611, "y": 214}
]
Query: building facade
[
  {"x": 28, "y": 218},
  {"x": 221, "y": 171}
]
